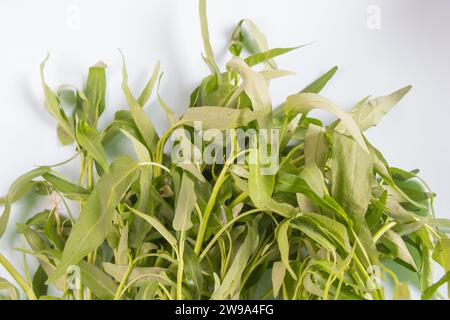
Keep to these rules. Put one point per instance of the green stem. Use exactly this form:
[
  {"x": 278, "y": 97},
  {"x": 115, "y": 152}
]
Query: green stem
[
  {"x": 18, "y": 277},
  {"x": 180, "y": 267},
  {"x": 240, "y": 198},
  {"x": 385, "y": 228},
  {"x": 212, "y": 200},
  {"x": 224, "y": 228},
  {"x": 122, "y": 284},
  {"x": 291, "y": 153},
  {"x": 160, "y": 147},
  {"x": 209, "y": 206},
  {"x": 90, "y": 186}
]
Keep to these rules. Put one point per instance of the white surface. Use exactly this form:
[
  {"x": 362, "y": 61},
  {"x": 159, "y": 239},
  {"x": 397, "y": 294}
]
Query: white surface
[{"x": 411, "y": 47}]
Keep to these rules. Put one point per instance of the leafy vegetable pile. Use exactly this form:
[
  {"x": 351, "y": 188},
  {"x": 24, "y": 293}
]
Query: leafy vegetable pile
[{"x": 326, "y": 224}]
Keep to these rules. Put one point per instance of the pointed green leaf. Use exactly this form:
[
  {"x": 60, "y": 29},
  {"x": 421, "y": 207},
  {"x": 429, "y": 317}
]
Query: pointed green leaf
[
  {"x": 186, "y": 200},
  {"x": 281, "y": 234},
  {"x": 141, "y": 119},
  {"x": 316, "y": 145},
  {"x": 305, "y": 102},
  {"x": 371, "y": 113},
  {"x": 96, "y": 217},
  {"x": 91, "y": 141},
  {"x": 17, "y": 189},
  {"x": 352, "y": 177},
  {"x": 95, "y": 91}
]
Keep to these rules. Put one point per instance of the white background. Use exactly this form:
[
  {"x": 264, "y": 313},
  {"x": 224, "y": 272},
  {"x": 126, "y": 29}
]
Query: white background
[{"x": 411, "y": 47}]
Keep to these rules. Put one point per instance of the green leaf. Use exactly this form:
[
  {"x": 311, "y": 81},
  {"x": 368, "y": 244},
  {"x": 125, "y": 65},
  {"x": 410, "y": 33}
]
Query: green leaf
[
  {"x": 193, "y": 170},
  {"x": 138, "y": 275},
  {"x": 13, "y": 293},
  {"x": 171, "y": 116},
  {"x": 91, "y": 141},
  {"x": 215, "y": 90},
  {"x": 39, "y": 279},
  {"x": 155, "y": 223},
  {"x": 316, "y": 146},
  {"x": 50, "y": 231},
  {"x": 193, "y": 271},
  {"x": 17, "y": 189},
  {"x": 147, "y": 92},
  {"x": 310, "y": 231},
  {"x": 145, "y": 184},
  {"x": 320, "y": 83},
  {"x": 145, "y": 180},
  {"x": 314, "y": 87},
  {"x": 35, "y": 241},
  {"x": 335, "y": 229},
  {"x": 305, "y": 102},
  {"x": 292, "y": 183},
  {"x": 441, "y": 253},
  {"x": 314, "y": 178},
  {"x": 220, "y": 118},
  {"x": 122, "y": 249},
  {"x": 281, "y": 234},
  {"x": 352, "y": 172},
  {"x": 96, "y": 217},
  {"x": 401, "y": 291},
  {"x": 64, "y": 136},
  {"x": 371, "y": 113},
  {"x": 95, "y": 91},
  {"x": 210, "y": 59},
  {"x": 148, "y": 290},
  {"x": 260, "y": 183},
  {"x": 256, "y": 88},
  {"x": 92, "y": 277},
  {"x": 283, "y": 209},
  {"x": 247, "y": 36},
  {"x": 141, "y": 119},
  {"x": 186, "y": 200},
  {"x": 395, "y": 243},
  {"x": 230, "y": 286},
  {"x": 260, "y": 57},
  {"x": 70, "y": 190},
  {"x": 66, "y": 131},
  {"x": 278, "y": 273},
  {"x": 431, "y": 290},
  {"x": 101, "y": 284}
]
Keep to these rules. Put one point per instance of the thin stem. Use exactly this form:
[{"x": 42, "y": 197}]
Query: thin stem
[
  {"x": 180, "y": 267},
  {"x": 90, "y": 186},
  {"x": 224, "y": 228},
  {"x": 383, "y": 230},
  {"x": 25, "y": 264},
  {"x": 160, "y": 147},
  {"x": 65, "y": 161},
  {"x": 165, "y": 291},
  {"x": 208, "y": 209},
  {"x": 132, "y": 282},
  {"x": 212, "y": 200},
  {"x": 165, "y": 257},
  {"x": 155, "y": 164},
  {"x": 240, "y": 198},
  {"x": 18, "y": 277},
  {"x": 122, "y": 284},
  {"x": 291, "y": 153}
]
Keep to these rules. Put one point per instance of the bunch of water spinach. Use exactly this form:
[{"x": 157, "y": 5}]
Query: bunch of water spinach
[{"x": 325, "y": 218}]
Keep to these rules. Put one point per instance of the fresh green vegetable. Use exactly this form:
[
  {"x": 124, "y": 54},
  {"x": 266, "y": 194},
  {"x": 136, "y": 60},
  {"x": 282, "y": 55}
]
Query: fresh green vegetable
[{"x": 266, "y": 203}]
